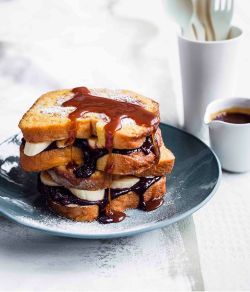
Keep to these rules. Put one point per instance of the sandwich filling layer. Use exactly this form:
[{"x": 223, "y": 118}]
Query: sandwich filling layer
[
  {"x": 32, "y": 149},
  {"x": 90, "y": 152},
  {"x": 64, "y": 196}
]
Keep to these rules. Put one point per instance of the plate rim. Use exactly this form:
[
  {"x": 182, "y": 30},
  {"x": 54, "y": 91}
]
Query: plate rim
[{"x": 142, "y": 229}]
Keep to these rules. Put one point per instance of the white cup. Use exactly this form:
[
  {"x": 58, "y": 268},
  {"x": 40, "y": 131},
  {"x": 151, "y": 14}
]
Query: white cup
[
  {"x": 208, "y": 72},
  {"x": 231, "y": 142}
]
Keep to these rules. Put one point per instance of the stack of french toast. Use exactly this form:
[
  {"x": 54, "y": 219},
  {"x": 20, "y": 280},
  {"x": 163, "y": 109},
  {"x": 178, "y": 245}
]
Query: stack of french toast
[{"x": 98, "y": 152}]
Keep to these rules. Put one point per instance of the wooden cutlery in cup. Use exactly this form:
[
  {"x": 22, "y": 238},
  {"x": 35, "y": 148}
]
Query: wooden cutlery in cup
[{"x": 221, "y": 14}]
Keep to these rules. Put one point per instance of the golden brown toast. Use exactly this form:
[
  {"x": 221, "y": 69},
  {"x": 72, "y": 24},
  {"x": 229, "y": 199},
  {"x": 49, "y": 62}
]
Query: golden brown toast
[
  {"x": 163, "y": 167},
  {"x": 49, "y": 159},
  {"x": 98, "y": 180},
  {"x": 47, "y": 119},
  {"x": 129, "y": 200},
  {"x": 63, "y": 176}
]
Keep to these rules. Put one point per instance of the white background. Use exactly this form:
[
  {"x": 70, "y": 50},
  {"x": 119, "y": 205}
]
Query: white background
[{"x": 130, "y": 44}]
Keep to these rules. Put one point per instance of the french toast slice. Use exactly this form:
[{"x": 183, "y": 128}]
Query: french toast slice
[
  {"x": 163, "y": 167},
  {"x": 129, "y": 167},
  {"x": 124, "y": 161},
  {"x": 133, "y": 164},
  {"x": 49, "y": 159},
  {"x": 129, "y": 200},
  {"x": 65, "y": 176},
  {"x": 98, "y": 180},
  {"x": 47, "y": 120}
]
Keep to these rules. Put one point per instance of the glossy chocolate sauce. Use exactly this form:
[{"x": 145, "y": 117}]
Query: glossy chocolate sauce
[
  {"x": 233, "y": 117},
  {"x": 91, "y": 155},
  {"x": 63, "y": 196},
  {"x": 90, "y": 158},
  {"x": 146, "y": 148},
  {"x": 111, "y": 216},
  {"x": 139, "y": 188}
]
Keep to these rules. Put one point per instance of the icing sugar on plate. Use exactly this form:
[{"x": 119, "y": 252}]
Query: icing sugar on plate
[{"x": 192, "y": 183}]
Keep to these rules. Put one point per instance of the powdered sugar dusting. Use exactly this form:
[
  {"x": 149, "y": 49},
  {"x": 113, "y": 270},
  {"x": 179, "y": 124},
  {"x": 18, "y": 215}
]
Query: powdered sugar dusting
[
  {"x": 99, "y": 92},
  {"x": 115, "y": 94},
  {"x": 128, "y": 122},
  {"x": 124, "y": 98},
  {"x": 63, "y": 98},
  {"x": 134, "y": 221},
  {"x": 29, "y": 213},
  {"x": 22, "y": 205},
  {"x": 56, "y": 110}
]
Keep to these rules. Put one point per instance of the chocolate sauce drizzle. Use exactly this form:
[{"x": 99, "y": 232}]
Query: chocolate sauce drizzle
[
  {"x": 63, "y": 196},
  {"x": 147, "y": 147},
  {"x": 90, "y": 158},
  {"x": 91, "y": 155}
]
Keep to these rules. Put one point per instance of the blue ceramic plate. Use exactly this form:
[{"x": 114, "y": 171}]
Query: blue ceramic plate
[{"x": 192, "y": 183}]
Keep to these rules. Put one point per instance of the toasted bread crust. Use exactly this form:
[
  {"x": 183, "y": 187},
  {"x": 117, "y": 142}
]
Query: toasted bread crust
[
  {"x": 47, "y": 120},
  {"x": 127, "y": 201},
  {"x": 63, "y": 176},
  {"x": 76, "y": 213},
  {"x": 137, "y": 164},
  {"x": 165, "y": 165},
  {"x": 123, "y": 164},
  {"x": 97, "y": 180},
  {"x": 49, "y": 159}
]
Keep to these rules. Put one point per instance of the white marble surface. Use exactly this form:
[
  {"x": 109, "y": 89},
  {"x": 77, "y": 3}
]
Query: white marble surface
[{"x": 122, "y": 44}]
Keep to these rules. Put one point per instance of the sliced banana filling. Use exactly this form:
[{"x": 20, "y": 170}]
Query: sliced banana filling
[
  {"x": 124, "y": 182},
  {"x": 32, "y": 149},
  {"x": 88, "y": 195},
  {"x": 47, "y": 180},
  {"x": 98, "y": 195}
]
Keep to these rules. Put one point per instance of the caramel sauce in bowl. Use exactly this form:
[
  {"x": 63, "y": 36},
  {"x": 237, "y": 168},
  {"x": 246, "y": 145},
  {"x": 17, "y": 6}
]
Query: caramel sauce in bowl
[
  {"x": 228, "y": 121},
  {"x": 232, "y": 115}
]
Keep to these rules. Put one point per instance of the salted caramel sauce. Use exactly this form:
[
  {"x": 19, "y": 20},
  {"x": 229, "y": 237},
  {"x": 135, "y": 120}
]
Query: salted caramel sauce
[
  {"x": 85, "y": 102},
  {"x": 235, "y": 115}
]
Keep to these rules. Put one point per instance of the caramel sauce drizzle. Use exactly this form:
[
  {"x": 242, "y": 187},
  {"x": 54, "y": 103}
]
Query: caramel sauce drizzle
[{"x": 85, "y": 102}]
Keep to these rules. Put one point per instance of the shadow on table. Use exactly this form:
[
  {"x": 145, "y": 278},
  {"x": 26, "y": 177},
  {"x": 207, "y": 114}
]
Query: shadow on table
[
  {"x": 169, "y": 255},
  {"x": 192, "y": 267}
]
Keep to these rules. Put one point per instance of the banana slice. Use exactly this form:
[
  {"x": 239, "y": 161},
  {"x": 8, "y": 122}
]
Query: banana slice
[
  {"x": 124, "y": 182},
  {"x": 47, "y": 180},
  {"x": 88, "y": 195},
  {"x": 32, "y": 149}
]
